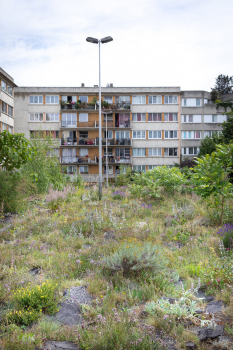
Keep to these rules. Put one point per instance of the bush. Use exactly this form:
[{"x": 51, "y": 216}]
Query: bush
[
  {"x": 31, "y": 302},
  {"x": 133, "y": 258},
  {"x": 226, "y": 233},
  {"x": 9, "y": 196},
  {"x": 118, "y": 195}
]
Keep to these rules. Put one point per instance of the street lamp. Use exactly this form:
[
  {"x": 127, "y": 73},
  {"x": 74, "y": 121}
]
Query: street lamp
[
  {"x": 105, "y": 40},
  {"x": 106, "y": 115}
]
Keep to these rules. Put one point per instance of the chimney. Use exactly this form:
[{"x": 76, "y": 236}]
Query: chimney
[
  {"x": 82, "y": 85},
  {"x": 111, "y": 85}
]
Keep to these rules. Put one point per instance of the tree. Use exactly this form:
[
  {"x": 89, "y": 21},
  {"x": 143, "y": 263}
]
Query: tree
[
  {"x": 227, "y": 130},
  {"x": 208, "y": 144},
  {"x": 223, "y": 85},
  {"x": 211, "y": 177},
  {"x": 15, "y": 150}
]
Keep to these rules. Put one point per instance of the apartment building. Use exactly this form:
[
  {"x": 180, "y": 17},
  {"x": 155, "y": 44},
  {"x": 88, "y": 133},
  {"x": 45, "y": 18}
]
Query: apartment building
[
  {"x": 199, "y": 118},
  {"x": 142, "y": 125},
  {"x": 7, "y": 86}
]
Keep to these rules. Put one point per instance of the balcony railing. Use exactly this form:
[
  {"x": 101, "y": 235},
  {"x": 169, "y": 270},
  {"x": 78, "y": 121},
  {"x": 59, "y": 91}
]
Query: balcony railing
[
  {"x": 79, "y": 160},
  {"x": 95, "y": 124},
  {"x": 95, "y": 160},
  {"x": 69, "y": 141},
  {"x": 121, "y": 106}
]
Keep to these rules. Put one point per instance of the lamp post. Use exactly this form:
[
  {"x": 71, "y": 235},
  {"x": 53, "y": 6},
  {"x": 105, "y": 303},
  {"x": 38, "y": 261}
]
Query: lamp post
[
  {"x": 98, "y": 41},
  {"x": 106, "y": 114}
]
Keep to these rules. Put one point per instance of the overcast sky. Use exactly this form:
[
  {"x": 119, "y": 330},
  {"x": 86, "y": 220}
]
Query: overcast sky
[{"x": 185, "y": 43}]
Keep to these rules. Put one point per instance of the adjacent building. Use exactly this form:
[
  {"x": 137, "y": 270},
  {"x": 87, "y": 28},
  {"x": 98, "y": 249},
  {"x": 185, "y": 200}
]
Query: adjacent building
[
  {"x": 143, "y": 127},
  {"x": 7, "y": 86}
]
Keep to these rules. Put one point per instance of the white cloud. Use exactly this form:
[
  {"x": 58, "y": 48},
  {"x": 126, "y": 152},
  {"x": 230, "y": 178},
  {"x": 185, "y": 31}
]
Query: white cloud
[{"x": 185, "y": 43}]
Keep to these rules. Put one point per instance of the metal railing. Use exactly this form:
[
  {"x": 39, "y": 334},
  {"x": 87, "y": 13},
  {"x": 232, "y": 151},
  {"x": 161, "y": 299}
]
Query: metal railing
[
  {"x": 69, "y": 141},
  {"x": 125, "y": 106},
  {"x": 79, "y": 160},
  {"x": 95, "y": 124}
]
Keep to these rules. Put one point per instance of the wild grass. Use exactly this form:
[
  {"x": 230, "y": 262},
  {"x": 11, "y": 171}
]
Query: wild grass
[{"x": 82, "y": 241}]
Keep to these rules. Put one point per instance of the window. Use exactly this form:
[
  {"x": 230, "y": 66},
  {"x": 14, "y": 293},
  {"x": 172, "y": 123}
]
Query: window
[
  {"x": 4, "y": 107},
  {"x": 52, "y": 99},
  {"x": 3, "y": 85},
  {"x": 83, "y": 169},
  {"x": 155, "y": 134},
  {"x": 36, "y": 99},
  {"x": 170, "y": 134},
  {"x": 214, "y": 119},
  {"x": 109, "y": 134},
  {"x": 10, "y": 90},
  {"x": 219, "y": 118},
  {"x": 69, "y": 155},
  {"x": 124, "y": 98},
  {"x": 53, "y": 153},
  {"x": 154, "y": 117},
  {"x": 152, "y": 152},
  {"x": 139, "y": 117},
  {"x": 191, "y": 134},
  {"x": 110, "y": 151},
  {"x": 83, "y": 98},
  {"x": 110, "y": 169},
  {"x": 195, "y": 118},
  {"x": 140, "y": 168},
  {"x": 83, "y": 152},
  {"x": 190, "y": 151},
  {"x": 70, "y": 169},
  {"x": 83, "y": 134},
  {"x": 10, "y": 111},
  {"x": 170, "y": 117},
  {"x": 191, "y": 102},
  {"x": 69, "y": 98},
  {"x": 36, "y": 134},
  {"x": 53, "y": 134},
  {"x": 108, "y": 99},
  {"x": 170, "y": 99},
  {"x": 155, "y": 99},
  {"x": 4, "y": 126},
  {"x": 151, "y": 167},
  {"x": 83, "y": 117},
  {"x": 36, "y": 117},
  {"x": 52, "y": 117},
  {"x": 139, "y": 100},
  {"x": 139, "y": 134},
  {"x": 139, "y": 152},
  {"x": 210, "y": 133},
  {"x": 10, "y": 129},
  {"x": 170, "y": 152},
  {"x": 69, "y": 120},
  {"x": 122, "y": 135}
]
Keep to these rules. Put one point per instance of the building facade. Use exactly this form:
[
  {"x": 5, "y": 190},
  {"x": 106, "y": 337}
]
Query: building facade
[
  {"x": 142, "y": 127},
  {"x": 6, "y": 101}
]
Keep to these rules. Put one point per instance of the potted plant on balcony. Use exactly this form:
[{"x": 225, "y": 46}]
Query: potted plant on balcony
[{"x": 63, "y": 104}]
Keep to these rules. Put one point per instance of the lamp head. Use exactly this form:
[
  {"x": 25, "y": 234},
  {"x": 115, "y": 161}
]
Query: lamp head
[
  {"x": 92, "y": 40},
  {"x": 107, "y": 39}
]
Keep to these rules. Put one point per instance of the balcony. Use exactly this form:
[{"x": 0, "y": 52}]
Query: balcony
[
  {"x": 94, "y": 124},
  {"x": 121, "y": 106},
  {"x": 69, "y": 141},
  {"x": 94, "y": 160},
  {"x": 79, "y": 160}
]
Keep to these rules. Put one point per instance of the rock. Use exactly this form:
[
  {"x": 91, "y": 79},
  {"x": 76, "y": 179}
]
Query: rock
[
  {"x": 205, "y": 333},
  {"x": 35, "y": 271},
  {"x": 214, "y": 307},
  {"x": 70, "y": 310},
  {"x": 60, "y": 345},
  {"x": 69, "y": 314},
  {"x": 78, "y": 295},
  {"x": 190, "y": 345},
  {"x": 141, "y": 224},
  {"x": 199, "y": 311},
  {"x": 86, "y": 246},
  {"x": 209, "y": 298},
  {"x": 201, "y": 295},
  {"x": 109, "y": 235},
  {"x": 171, "y": 300}
]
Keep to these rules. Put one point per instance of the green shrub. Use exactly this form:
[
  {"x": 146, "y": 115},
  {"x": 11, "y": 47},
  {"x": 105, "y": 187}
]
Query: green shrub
[
  {"x": 9, "y": 196},
  {"x": 31, "y": 302},
  {"x": 135, "y": 257}
]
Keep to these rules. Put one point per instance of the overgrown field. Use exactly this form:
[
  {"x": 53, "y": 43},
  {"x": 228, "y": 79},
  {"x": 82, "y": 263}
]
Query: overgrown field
[{"x": 129, "y": 253}]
